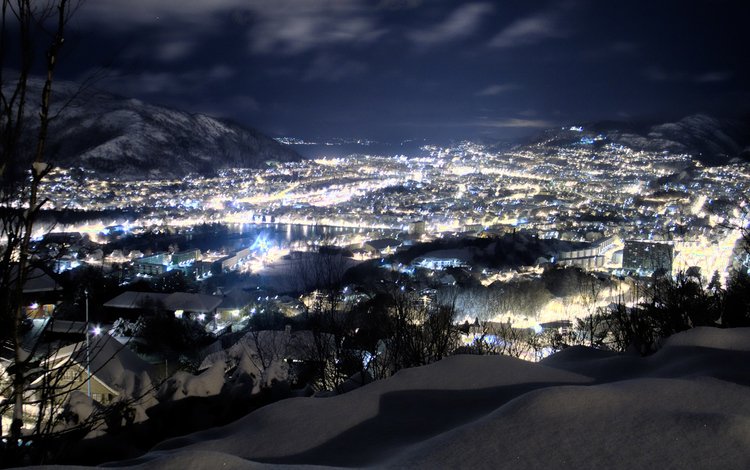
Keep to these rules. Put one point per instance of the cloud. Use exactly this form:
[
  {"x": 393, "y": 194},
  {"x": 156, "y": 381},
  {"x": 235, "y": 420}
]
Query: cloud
[
  {"x": 462, "y": 22},
  {"x": 220, "y": 72},
  {"x": 273, "y": 26},
  {"x": 399, "y": 4},
  {"x": 659, "y": 74},
  {"x": 502, "y": 123},
  {"x": 170, "y": 83},
  {"x": 292, "y": 27},
  {"x": 606, "y": 51},
  {"x": 228, "y": 107},
  {"x": 713, "y": 77},
  {"x": 494, "y": 90},
  {"x": 174, "y": 50},
  {"x": 515, "y": 123},
  {"x": 331, "y": 68},
  {"x": 530, "y": 30},
  {"x": 623, "y": 47},
  {"x": 119, "y": 14}
]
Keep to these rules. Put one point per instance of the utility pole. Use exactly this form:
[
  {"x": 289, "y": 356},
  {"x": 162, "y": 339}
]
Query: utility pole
[{"x": 88, "y": 357}]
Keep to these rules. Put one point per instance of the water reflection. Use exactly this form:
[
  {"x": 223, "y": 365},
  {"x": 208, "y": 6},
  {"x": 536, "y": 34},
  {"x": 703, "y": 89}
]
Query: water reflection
[{"x": 238, "y": 236}]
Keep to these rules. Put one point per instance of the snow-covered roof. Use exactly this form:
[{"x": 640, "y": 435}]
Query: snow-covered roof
[
  {"x": 65, "y": 326},
  {"x": 383, "y": 243},
  {"x": 236, "y": 299},
  {"x": 36, "y": 281},
  {"x": 39, "y": 281},
  {"x": 133, "y": 299},
  {"x": 200, "y": 303},
  {"x": 280, "y": 344},
  {"x": 110, "y": 359}
]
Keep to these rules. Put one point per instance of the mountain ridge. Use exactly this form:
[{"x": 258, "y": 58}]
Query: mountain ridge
[
  {"x": 126, "y": 138},
  {"x": 711, "y": 140}
]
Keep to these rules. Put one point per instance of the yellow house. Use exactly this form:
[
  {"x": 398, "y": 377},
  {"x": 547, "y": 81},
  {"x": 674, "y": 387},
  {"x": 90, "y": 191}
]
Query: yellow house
[{"x": 115, "y": 370}]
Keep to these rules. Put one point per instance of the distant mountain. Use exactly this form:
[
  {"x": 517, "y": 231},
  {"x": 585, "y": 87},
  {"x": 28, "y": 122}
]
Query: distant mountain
[
  {"x": 126, "y": 138},
  {"x": 711, "y": 140}
]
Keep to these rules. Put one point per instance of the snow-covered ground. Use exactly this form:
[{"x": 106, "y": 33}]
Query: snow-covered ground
[{"x": 688, "y": 406}]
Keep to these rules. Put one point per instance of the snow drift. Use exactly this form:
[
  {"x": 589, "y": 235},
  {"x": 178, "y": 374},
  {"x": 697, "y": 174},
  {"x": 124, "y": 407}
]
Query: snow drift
[{"x": 685, "y": 407}]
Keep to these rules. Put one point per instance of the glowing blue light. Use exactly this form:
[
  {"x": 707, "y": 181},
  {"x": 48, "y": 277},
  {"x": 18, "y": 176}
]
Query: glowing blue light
[
  {"x": 366, "y": 358},
  {"x": 261, "y": 243}
]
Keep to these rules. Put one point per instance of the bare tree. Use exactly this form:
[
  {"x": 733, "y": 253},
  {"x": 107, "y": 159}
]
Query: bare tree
[
  {"x": 267, "y": 342},
  {"x": 53, "y": 377},
  {"x": 420, "y": 330},
  {"x": 499, "y": 338},
  {"x": 24, "y": 26},
  {"x": 589, "y": 292}
]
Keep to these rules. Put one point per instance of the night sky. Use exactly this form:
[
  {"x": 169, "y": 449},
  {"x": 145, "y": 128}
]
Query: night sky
[{"x": 394, "y": 69}]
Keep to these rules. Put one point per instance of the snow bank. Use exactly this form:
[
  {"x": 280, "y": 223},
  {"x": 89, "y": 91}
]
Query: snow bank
[
  {"x": 183, "y": 384},
  {"x": 80, "y": 406},
  {"x": 732, "y": 339},
  {"x": 649, "y": 423},
  {"x": 685, "y": 407},
  {"x": 435, "y": 398}
]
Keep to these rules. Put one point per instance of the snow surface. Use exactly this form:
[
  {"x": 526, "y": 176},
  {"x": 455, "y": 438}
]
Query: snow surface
[
  {"x": 685, "y": 407},
  {"x": 183, "y": 384}
]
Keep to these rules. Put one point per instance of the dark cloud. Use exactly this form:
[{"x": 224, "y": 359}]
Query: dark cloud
[
  {"x": 714, "y": 77},
  {"x": 125, "y": 15},
  {"x": 387, "y": 68},
  {"x": 167, "y": 83},
  {"x": 462, "y": 22},
  {"x": 531, "y": 30},
  {"x": 293, "y": 26},
  {"x": 331, "y": 68},
  {"x": 399, "y": 4},
  {"x": 659, "y": 74},
  {"x": 515, "y": 123},
  {"x": 174, "y": 50},
  {"x": 497, "y": 89}
]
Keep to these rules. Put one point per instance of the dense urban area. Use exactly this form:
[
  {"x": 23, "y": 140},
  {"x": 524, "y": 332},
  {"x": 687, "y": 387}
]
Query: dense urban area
[
  {"x": 327, "y": 273},
  {"x": 603, "y": 197},
  {"x": 469, "y": 234}
]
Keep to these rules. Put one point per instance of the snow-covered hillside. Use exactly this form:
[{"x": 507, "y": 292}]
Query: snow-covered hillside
[
  {"x": 712, "y": 140},
  {"x": 685, "y": 407},
  {"x": 130, "y": 139}
]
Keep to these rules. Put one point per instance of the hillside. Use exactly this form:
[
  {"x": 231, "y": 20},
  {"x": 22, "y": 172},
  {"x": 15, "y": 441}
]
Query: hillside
[
  {"x": 684, "y": 407},
  {"x": 711, "y": 140},
  {"x": 126, "y": 138}
]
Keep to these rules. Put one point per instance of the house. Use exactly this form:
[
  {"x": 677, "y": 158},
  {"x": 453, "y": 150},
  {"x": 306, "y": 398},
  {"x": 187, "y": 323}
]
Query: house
[
  {"x": 41, "y": 293},
  {"x": 232, "y": 304},
  {"x": 178, "y": 302},
  {"x": 115, "y": 371},
  {"x": 131, "y": 304},
  {"x": 383, "y": 246}
]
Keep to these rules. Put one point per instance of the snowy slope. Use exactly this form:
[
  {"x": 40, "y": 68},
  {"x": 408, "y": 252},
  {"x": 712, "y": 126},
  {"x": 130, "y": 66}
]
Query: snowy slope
[
  {"x": 685, "y": 407},
  {"x": 127, "y": 138},
  {"x": 711, "y": 140}
]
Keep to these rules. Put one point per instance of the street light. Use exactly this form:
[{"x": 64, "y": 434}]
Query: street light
[{"x": 88, "y": 357}]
